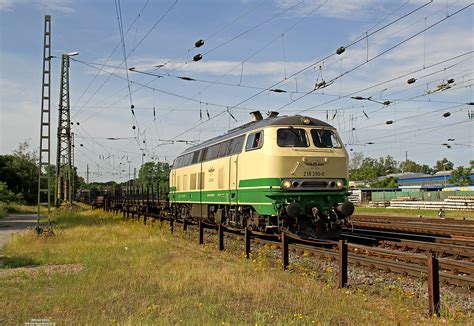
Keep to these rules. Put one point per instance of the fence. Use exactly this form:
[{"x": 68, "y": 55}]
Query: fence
[{"x": 286, "y": 240}]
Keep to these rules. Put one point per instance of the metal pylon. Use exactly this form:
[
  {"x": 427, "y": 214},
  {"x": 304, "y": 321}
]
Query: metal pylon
[
  {"x": 44, "y": 174},
  {"x": 63, "y": 158}
]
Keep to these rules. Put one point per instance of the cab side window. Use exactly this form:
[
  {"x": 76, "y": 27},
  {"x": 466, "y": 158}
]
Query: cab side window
[{"x": 254, "y": 141}]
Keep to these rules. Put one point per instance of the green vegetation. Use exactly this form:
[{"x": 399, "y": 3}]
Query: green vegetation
[
  {"x": 460, "y": 176},
  {"x": 411, "y": 212},
  {"x": 6, "y": 208},
  {"x": 19, "y": 176},
  {"x": 369, "y": 170},
  {"x": 156, "y": 174},
  {"x": 99, "y": 269}
]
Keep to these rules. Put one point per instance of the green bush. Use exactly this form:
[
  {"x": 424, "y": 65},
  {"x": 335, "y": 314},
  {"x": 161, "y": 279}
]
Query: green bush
[
  {"x": 8, "y": 196},
  {"x": 3, "y": 210}
]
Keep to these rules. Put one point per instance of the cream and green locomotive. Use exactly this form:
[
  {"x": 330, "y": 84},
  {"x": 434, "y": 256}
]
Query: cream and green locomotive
[{"x": 279, "y": 174}]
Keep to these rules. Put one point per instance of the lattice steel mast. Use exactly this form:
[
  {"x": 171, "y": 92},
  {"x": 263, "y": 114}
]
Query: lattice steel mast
[
  {"x": 63, "y": 158},
  {"x": 44, "y": 174}
]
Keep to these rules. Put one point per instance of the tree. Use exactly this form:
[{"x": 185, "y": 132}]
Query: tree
[
  {"x": 366, "y": 171},
  {"x": 460, "y": 176},
  {"x": 385, "y": 183},
  {"x": 370, "y": 169},
  {"x": 7, "y": 195},
  {"x": 356, "y": 160},
  {"x": 156, "y": 174},
  {"x": 411, "y": 166},
  {"x": 387, "y": 165},
  {"x": 20, "y": 172},
  {"x": 443, "y": 165}
]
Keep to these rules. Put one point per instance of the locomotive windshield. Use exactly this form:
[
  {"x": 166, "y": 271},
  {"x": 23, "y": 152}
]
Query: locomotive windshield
[
  {"x": 292, "y": 137},
  {"x": 324, "y": 139}
]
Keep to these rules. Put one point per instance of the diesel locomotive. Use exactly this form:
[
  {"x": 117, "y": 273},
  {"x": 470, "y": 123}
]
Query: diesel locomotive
[{"x": 278, "y": 174}]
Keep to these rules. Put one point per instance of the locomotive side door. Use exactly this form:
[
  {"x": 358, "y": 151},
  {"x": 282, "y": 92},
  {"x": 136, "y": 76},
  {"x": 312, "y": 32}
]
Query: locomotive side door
[{"x": 233, "y": 179}]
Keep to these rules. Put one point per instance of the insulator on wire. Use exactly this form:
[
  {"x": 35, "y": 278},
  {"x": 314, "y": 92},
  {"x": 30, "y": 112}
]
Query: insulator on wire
[
  {"x": 353, "y": 129},
  {"x": 411, "y": 80},
  {"x": 186, "y": 78},
  {"x": 77, "y": 123},
  {"x": 278, "y": 90},
  {"x": 389, "y": 122},
  {"x": 199, "y": 43},
  {"x": 340, "y": 50},
  {"x": 357, "y": 98},
  {"x": 132, "y": 106},
  {"x": 450, "y": 81},
  {"x": 451, "y": 139},
  {"x": 444, "y": 144},
  {"x": 81, "y": 145},
  {"x": 72, "y": 123},
  {"x": 133, "y": 127},
  {"x": 386, "y": 102},
  {"x": 470, "y": 103},
  {"x": 143, "y": 142},
  {"x": 447, "y": 114},
  {"x": 197, "y": 57}
]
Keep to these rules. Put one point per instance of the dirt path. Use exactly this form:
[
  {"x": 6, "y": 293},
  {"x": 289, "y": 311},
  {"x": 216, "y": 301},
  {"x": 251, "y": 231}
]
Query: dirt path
[{"x": 14, "y": 223}]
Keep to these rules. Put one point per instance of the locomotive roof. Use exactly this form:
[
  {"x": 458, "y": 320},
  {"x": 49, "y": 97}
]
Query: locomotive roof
[{"x": 294, "y": 120}]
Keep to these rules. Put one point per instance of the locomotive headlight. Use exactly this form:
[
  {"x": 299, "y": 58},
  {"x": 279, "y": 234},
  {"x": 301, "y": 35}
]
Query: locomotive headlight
[
  {"x": 339, "y": 183},
  {"x": 286, "y": 184},
  {"x": 306, "y": 120}
]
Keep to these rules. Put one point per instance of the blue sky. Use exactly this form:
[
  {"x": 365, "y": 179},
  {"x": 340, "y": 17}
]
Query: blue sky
[{"x": 249, "y": 46}]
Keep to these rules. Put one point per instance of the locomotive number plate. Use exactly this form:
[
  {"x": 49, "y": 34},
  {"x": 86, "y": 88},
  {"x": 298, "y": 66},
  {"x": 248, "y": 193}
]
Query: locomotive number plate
[{"x": 313, "y": 173}]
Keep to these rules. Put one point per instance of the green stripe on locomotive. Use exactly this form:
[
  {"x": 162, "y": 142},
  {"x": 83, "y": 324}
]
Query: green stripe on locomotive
[{"x": 264, "y": 195}]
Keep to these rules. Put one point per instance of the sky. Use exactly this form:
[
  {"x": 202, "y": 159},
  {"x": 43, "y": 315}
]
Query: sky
[{"x": 251, "y": 47}]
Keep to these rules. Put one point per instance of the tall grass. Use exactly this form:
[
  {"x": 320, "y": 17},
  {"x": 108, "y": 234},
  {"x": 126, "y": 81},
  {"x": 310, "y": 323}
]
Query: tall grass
[
  {"x": 12, "y": 207},
  {"x": 114, "y": 271}
]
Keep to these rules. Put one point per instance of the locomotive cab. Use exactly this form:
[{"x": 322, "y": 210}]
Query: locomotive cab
[{"x": 312, "y": 164}]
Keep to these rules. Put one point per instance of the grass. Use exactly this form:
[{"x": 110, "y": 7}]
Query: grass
[
  {"x": 99, "y": 269},
  {"x": 412, "y": 212},
  {"x": 6, "y": 208}
]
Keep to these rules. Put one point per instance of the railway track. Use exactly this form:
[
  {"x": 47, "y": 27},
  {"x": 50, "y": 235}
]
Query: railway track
[
  {"x": 443, "y": 247},
  {"x": 452, "y": 251},
  {"x": 397, "y": 252},
  {"x": 464, "y": 232},
  {"x": 391, "y": 219},
  {"x": 452, "y": 272}
]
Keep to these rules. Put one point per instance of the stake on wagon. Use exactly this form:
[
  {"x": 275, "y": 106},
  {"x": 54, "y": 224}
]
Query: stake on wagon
[
  {"x": 342, "y": 263},
  {"x": 433, "y": 284}
]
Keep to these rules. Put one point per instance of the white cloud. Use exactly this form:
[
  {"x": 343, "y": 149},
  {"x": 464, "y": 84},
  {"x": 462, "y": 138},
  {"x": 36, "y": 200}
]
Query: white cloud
[
  {"x": 348, "y": 9},
  {"x": 62, "y": 6}
]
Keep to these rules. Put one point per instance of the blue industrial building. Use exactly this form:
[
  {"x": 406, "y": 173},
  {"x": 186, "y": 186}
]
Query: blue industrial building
[{"x": 426, "y": 181}]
